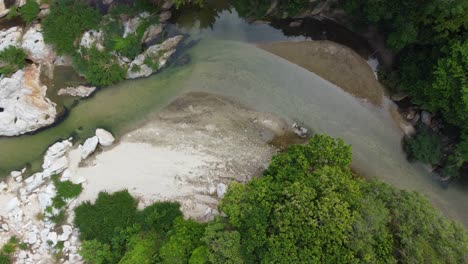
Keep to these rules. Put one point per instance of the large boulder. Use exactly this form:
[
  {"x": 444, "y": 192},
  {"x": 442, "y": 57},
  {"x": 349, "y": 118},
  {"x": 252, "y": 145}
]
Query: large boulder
[
  {"x": 10, "y": 37},
  {"x": 3, "y": 9},
  {"x": 24, "y": 106},
  {"x": 55, "y": 159},
  {"x": 34, "y": 45},
  {"x": 159, "y": 52},
  {"x": 105, "y": 137},
  {"x": 152, "y": 32},
  {"x": 89, "y": 147}
]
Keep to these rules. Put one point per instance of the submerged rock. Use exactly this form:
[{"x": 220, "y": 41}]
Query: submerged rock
[
  {"x": 79, "y": 91},
  {"x": 105, "y": 137},
  {"x": 24, "y": 106}
]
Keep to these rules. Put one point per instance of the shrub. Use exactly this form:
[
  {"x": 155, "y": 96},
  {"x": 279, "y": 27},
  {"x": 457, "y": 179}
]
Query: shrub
[
  {"x": 4, "y": 259},
  {"x": 11, "y": 60},
  {"x": 67, "y": 20},
  {"x": 425, "y": 146},
  {"x": 129, "y": 46},
  {"x": 160, "y": 216},
  {"x": 66, "y": 189},
  {"x": 99, "y": 67},
  {"x": 12, "y": 13},
  {"x": 29, "y": 11},
  {"x": 110, "y": 211}
]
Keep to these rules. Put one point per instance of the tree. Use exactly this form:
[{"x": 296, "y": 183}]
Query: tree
[
  {"x": 223, "y": 246},
  {"x": 425, "y": 146},
  {"x": 29, "y": 11}
]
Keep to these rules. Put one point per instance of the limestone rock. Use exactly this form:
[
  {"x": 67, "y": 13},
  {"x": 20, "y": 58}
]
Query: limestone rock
[
  {"x": 10, "y": 37},
  {"x": 66, "y": 232},
  {"x": 5, "y": 227},
  {"x": 164, "y": 16},
  {"x": 52, "y": 237},
  {"x": 32, "y": 238},
  {"x": 105, "y": 137},
  {"x": 3, "y": 186},
  {"x": 79, "y": 91},
  {"x": 221, "y": 190},
  {"x": 24, "y": 106},
  {"x": 131, "y": 25},
  {"x": 55, "y": 160},
  {"x": 33, "y": 182},
  {"x": 89, "y": 147},
  {"x": 3, "y": 10},
  {"x": 160, "y": 52},
  {"x": 45, "y": 200},
  {"x": 12, "y": 204},
  {"x": 34, "y": 45},
  {"x": 91, "y": 38},
  {"x": 152, "y": 32}
]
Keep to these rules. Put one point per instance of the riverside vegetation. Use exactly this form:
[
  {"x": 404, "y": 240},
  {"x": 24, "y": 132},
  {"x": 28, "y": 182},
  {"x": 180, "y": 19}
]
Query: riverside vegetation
[{"x": 308, "y": 207}]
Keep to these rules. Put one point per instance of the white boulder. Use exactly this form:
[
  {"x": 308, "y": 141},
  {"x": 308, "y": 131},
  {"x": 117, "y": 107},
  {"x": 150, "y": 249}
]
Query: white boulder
[
  {"x": 221, "y": 190},
  {"x": 10, "y": 37},
  {"x": 12, "y": 204},
  {"x": 105, "y": 137},
  {"x": 32, "y": 238},
  {"x": 55, "y": 160},
  {"x": 89, "y": 147},
  {"x": 66, "y": 232},
  {"x": 24, "y": 106},
  {"x": 93, "y": 38},
  {"x": 34, "y": 45}
]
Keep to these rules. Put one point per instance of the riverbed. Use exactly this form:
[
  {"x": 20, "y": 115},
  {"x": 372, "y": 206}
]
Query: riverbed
[{"x": 226, "y": 61}]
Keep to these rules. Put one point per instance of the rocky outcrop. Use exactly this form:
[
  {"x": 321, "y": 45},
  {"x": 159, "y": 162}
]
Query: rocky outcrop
[
  {"x": 3, "y": 9},
  {"x": 10, "y": 37},
  {"x": 131, "y": 25},
  {"x": 152, "y": 32},
  {"x": 158, "y": 53},
  {"x": 55, "y": 160},
  {"x": 105, "y": 137},
  {"x": 93, "y": 38},
  {"x": 34, "y": 45},
  {"x": 24, "y": 106},
  {"x": 79, "y": 91}
]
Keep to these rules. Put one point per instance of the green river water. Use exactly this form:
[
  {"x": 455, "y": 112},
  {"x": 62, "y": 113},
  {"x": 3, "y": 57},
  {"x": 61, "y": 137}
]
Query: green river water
[{"x": 223, "y": 62}]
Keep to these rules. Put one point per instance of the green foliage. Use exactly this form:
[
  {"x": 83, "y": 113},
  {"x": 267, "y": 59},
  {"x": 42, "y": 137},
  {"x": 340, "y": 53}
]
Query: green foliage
[
  {"x": 9, "y": 248},
  {"x": 29, "y": 11},
  {"x": 223, "y": 246},
  {"x": 183, "y": 239},
  {"x": 247, "y": 8},
  {"x": 110, "y": 211},
  {"x": 12, "y": 13},
  {"x": 129, "y": 46},
  {"x": 4, "y": 259},
  {"x": 11, "y": 60},
  {"x": 101, "y": 68},
  {"x": 199, "y": 255},
  {"x": 179, "y": 3},
  {"x": 425, "y": 146},
  {"x": 66, "y": 22},
  {"x": 141, "y": 249},
  {"x": 159, "y": 216},
  {"x": 96, "y": 252},
  {"x": 58, "y": 218}
]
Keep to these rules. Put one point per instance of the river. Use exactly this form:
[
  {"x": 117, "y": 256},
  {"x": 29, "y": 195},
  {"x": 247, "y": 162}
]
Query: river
[{"x": 226, "y": 62}]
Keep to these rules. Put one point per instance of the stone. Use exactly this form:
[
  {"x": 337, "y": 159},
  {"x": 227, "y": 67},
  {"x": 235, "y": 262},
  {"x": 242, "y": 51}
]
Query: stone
[
  {"x": 167, "y": 5},
  {"x": 411, "y": 114},
  {"x": 32, "y": 238},
  {"x": 105, "y": 138},
  {"x": 89, "y": 147},
  {"x": 55, "y": 160},
  {"x": 34, "y": 182},
  {"x": 12, "y": 204},
  {"x": 43, "y": 234},
  {"x": 34, "y": 45},
  {"x": 295, "y": 24},
  {"x": 221, "y": 190},
  {"x": 426, "y": 118},
  {"x": 15, "y": 174},
  {"x": 24, "y": 106},
  {"x": 22, "y": 254},
  {"x": 3, "y": 10},
  {"x": 93, "y": 38},
  {"x": 58, "y": 166},
  {"x": 66, "y": 232},
  {"x": 66, "y": 175},
  {"x": 152, "y": 32},
  {"x": 161, "y": 52},
  {"x": 79, "y": 91},
  {"x": 63, "y": 60},
  {"x": 300, "y": 130},
  {"x": 5, "y": 227},
  {"x": 131, "y": 25},
  {"x": 80, "y": 180},
  {"x": 3, "y": 186},
  {"x": 10, "y": 37},
  {"x": 399, "y": 97},
  {"x": 52, "y": 237},
  {"x": 164, "y": 16},
  {"x": 45, "y": 200}
]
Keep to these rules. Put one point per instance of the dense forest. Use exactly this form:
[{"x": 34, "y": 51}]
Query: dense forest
[{"x": 308, "y": 207}]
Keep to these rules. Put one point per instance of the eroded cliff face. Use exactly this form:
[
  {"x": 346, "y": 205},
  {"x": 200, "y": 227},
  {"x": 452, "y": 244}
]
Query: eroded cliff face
[{"x": 24, "y": 106}]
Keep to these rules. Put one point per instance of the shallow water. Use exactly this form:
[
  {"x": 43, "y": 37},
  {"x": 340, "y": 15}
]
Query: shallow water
[{"x": 259, "y": 80}]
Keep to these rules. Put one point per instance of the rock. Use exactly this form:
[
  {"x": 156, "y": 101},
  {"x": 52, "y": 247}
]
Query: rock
[
  {"x": 160, "y": 52},
  {"x": 15, "y": 174},
  {"x": 79, "y": 91},
  {"x": 66, "y": 175},
  {"x": 398, "y": 97},
  {"x": 3, "y": 186},
  {"x": 164, "y": 16},
  {"x": 52, "y": 237},
  {"x": 64, "y": 60},
  {"x": 45, "y": 200},
  {"x": 89, "y": 147},
  {"x": 167, "y": 5},
  {"x": 24, "y": 106},
  {"x": 66, "y": 232},
  {"x": 12, "y": 204},
  {"x": 34, "y": 45},
  {"x": 131, "y": 25},
  {"x": 152, "y": 32},
  {"x": 300, "y": 131},
  {"x": 5, "y": 227},
  {"x": 43, "y": 234},
  {"x": 32, "y": 238},
  {"x": 55, "y": 160},
  {"x": 10, "y": 37},
  {"x": 295, "y": 24},
  {"x": 221, "y": 190},
  {"x": 34, "y": 182},
  {"x": 22, "y": 254},
  {"x": 93, "y": 38},
  {"x": 426, "y": 118},
  {"x": 3, "y": 10},
  {"x": 105, "y": 138},
  {"x": 411, "y": 114},
  {"x": 79, "y": 180}
]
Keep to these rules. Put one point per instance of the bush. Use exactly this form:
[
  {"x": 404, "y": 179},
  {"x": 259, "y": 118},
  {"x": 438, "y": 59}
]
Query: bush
[
  {"x": 67, "y": 21},
  {"x": 160, "y": 216},
  {"x": 99, "y": 67},
  {"x": 4, "y": 259},
  {"x": 425, "y": 146},
  {"x": 29, "y": 11},
  {"x": 110, "y": 211},
  {"x": 129, "y": 46},
  {"x": 11, "y": 60}
]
